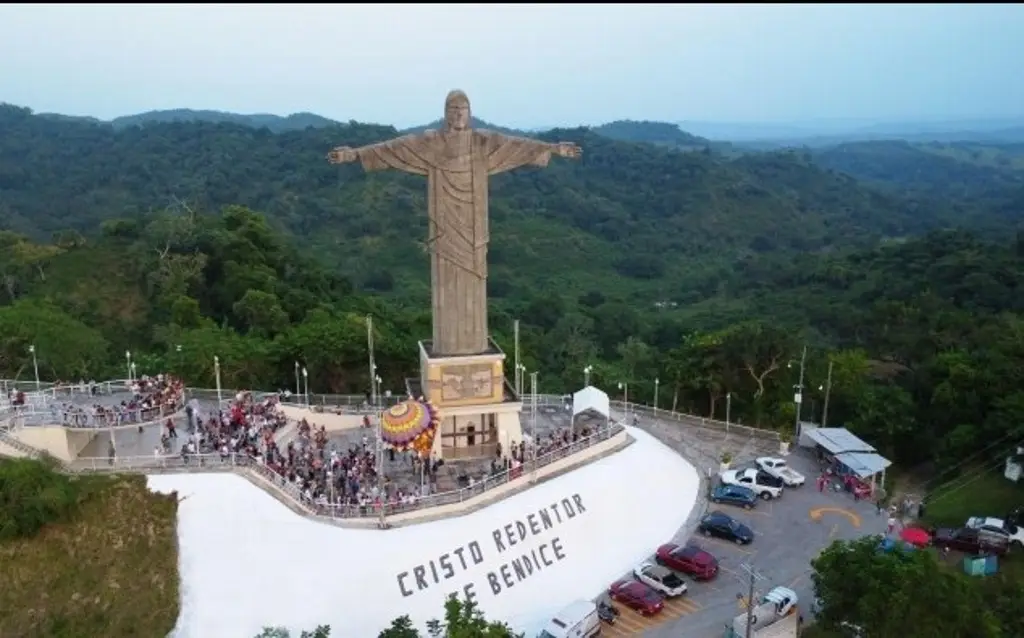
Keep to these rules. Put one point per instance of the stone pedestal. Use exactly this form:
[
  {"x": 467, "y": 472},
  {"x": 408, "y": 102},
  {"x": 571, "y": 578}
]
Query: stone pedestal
[{"x": 478, "y": 408}]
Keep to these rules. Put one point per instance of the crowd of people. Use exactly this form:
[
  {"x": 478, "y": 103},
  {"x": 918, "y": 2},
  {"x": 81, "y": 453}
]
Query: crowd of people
[{"x": 151, "y": 398}]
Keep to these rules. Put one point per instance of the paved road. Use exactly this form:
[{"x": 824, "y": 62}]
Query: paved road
[{"x": 787, "y": 539}]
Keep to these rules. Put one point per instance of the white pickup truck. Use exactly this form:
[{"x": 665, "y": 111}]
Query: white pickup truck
[
  {"x": 779, "y": 469},
  {"x": 762, "y": 483}
]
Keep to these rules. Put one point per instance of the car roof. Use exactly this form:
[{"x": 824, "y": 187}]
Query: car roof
[
  {"x": 989, "y": 521},
  {"x": 717, "y": 515},
  {"x": 632, "y": 586},
  {"x": 654, "y": 571},
  {"x": 696, "y": 554}
]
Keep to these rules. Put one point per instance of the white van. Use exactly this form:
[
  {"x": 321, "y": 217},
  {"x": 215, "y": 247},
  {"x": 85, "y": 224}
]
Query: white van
[{"x": 578, "y": 620}]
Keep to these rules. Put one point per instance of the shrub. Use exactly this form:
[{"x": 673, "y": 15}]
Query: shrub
[{"x": 33, "y": 494}]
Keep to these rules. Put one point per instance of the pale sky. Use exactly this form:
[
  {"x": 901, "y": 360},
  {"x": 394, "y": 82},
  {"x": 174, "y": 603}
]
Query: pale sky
[{"x": 522, "y": 65}]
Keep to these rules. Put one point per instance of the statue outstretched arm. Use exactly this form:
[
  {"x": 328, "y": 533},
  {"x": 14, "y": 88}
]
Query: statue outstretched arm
[
  {"x": 506, "y": 152},
  {"x": 409, "y": 153}
]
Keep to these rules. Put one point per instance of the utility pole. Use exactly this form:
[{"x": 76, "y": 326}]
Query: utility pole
[
  {"x": 828, "y": 392},
  {"x": 728, "y": 408},
  {"x": 533, "y": 421},
  {"x": 519, "y": 373},
  {"x": 798, "y": 396},
  {"x": 373, "y": 364},
  {"x": 753, "y": 577}
]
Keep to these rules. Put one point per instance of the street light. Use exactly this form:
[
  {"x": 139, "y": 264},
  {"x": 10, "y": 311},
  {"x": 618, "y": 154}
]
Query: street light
[
  {"x": 305, "y": 379},
  {"x": 298, "y": 388},
  {"x": 624, "y": 386},
  {"x": 828, "y": 393},
  {"x": 657, "y": 382},
  {"x": 586, "y": 375},
  {"x": 216, "y": 373},
  {"x": 533, "y": 422},
  {"x": 35, "y": 365},
  {"x": 128, "y": 364},
  {"x": 728, "y": 408},
  {"x": 520, "y": 375},
  {"x": 798, "y": 394}
]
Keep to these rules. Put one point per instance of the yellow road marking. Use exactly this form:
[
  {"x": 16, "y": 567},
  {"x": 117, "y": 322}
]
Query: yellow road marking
[
  {"x": 630, "y": 623},
  {"x": 817, "y": 513}
]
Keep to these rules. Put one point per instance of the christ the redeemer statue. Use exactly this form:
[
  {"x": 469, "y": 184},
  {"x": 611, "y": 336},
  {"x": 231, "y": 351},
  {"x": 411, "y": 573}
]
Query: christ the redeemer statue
[{"x": 456, "y": 161}]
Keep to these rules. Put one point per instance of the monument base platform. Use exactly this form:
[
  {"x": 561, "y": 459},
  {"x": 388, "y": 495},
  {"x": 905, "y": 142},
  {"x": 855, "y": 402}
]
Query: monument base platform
[{"x": 478, "y": 408}]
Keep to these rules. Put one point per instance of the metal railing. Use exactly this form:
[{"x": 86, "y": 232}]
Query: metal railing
[
  {"x": 85, "y": 419},
  {"x": 357, "y": 404},
  {"x": 162, "y": 463},
  {"x": 230, "y": 462},
  {"x": 648, "y": 412}
]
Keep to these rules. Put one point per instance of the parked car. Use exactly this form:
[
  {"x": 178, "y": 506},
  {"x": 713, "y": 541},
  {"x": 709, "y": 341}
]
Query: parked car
[
  {"x": 660, "y": 579},
  {"x": 688, "y": 559},
  {"x": 1012, "y": 532},
  {"x": 734, "y": 495},
  {"x": 765, "y": 485},
  {"x": 578, "y": 620},
  {"x": 721, "y": 525},
  {"x": 856, "y": 486},
  {"x": 780, "y": 470},
  {"x": 970, "y": 541},
  {"x": 637, "y": 596}
]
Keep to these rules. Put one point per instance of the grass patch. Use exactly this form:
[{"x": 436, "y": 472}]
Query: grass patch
[
  {"x": 988, "y": 495},
  {"x": 111, "y": 570}
]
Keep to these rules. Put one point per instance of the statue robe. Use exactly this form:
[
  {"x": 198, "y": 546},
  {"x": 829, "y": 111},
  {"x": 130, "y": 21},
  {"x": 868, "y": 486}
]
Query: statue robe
[{"x": 457, "y": 164}]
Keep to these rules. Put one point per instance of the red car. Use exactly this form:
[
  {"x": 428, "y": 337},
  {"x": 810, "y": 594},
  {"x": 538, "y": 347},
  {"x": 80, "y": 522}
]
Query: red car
[
  {"x": 637, "y": 596},
  {"x": 688, "y": 559}
]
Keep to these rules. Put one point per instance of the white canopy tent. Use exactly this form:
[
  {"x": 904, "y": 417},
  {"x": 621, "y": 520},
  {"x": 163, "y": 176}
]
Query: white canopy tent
[{"x": 591, "y": 399}]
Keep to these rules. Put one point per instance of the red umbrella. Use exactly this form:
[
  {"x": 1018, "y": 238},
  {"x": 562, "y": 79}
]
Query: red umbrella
[{"x": 916, "y": 536}]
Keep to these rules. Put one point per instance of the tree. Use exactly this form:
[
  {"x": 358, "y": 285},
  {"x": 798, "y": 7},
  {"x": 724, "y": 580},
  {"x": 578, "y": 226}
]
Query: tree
[
  {"x": 462, "y": 619},
  {"x": 899, "y": 593},
  {"x": 322, "y": 631}
]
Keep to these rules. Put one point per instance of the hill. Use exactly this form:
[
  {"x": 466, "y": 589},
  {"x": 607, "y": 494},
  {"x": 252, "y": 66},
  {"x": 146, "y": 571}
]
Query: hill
[
  {"x": 634, "y": 220},
  {"x": 661, "y": 133},
  {"x": 276, "y": 123},
  {"x": 962, "y": 171}
]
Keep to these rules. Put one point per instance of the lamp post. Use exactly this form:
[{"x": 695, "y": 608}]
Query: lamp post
[
  {"x": 586, "y": 375},
  {"x": 372, "y": 364},
  {"x": 216, "y": 374},
  {"x": 518, "y": 379},
  {"x": 520, "y": 376},
  {"x": 533, "y": 422},
  {"x": 305, "y": 382},
  {"x": 128, "y": 364},
  {"x": 624, "y": 386},
  {"x": 828, "y": 393},
  {"x": 798, "y": 394},
  {"x": 298, "y": 387},
  {"x": 135, "y": 374},
  {"x": 35, "y": 365},
  {"x": 657, "y": 382},
  {"x": 728, "y": 408}
]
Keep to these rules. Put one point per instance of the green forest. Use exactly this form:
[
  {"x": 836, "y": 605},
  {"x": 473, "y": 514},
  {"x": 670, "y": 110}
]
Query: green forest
[{"x": 704, "y": 270}]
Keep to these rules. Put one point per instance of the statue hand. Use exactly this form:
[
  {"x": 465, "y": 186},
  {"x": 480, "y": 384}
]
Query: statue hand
[
  {"x": 341, "y": 155},
  {"x": 568, "y": 150}
]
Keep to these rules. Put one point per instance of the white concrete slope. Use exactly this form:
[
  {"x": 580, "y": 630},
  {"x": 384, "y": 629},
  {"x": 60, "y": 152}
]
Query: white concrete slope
[{"x": 247, "y": 561}]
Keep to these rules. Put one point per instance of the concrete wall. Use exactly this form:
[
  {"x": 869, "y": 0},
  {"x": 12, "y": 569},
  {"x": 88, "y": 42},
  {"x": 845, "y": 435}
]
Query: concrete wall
[{"x": 51, "y": 439}]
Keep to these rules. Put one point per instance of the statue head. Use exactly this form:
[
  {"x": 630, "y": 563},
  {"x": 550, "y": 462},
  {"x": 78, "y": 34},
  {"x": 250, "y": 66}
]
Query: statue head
[{"x": 456, "y": 111}]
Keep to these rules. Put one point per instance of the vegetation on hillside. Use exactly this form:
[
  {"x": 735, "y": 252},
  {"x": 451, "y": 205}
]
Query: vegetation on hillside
[
  {"x": 641, "y": 222},
  {"x": 860, "y": 586},
  {"x": 703, "y": 273},
  {"x": 79, "y": 573},
  {"x": 462, "y": 619}
]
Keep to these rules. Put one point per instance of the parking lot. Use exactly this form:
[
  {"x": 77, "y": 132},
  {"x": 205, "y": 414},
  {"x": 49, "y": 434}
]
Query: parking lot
[{"x": 789, "y": 533}]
